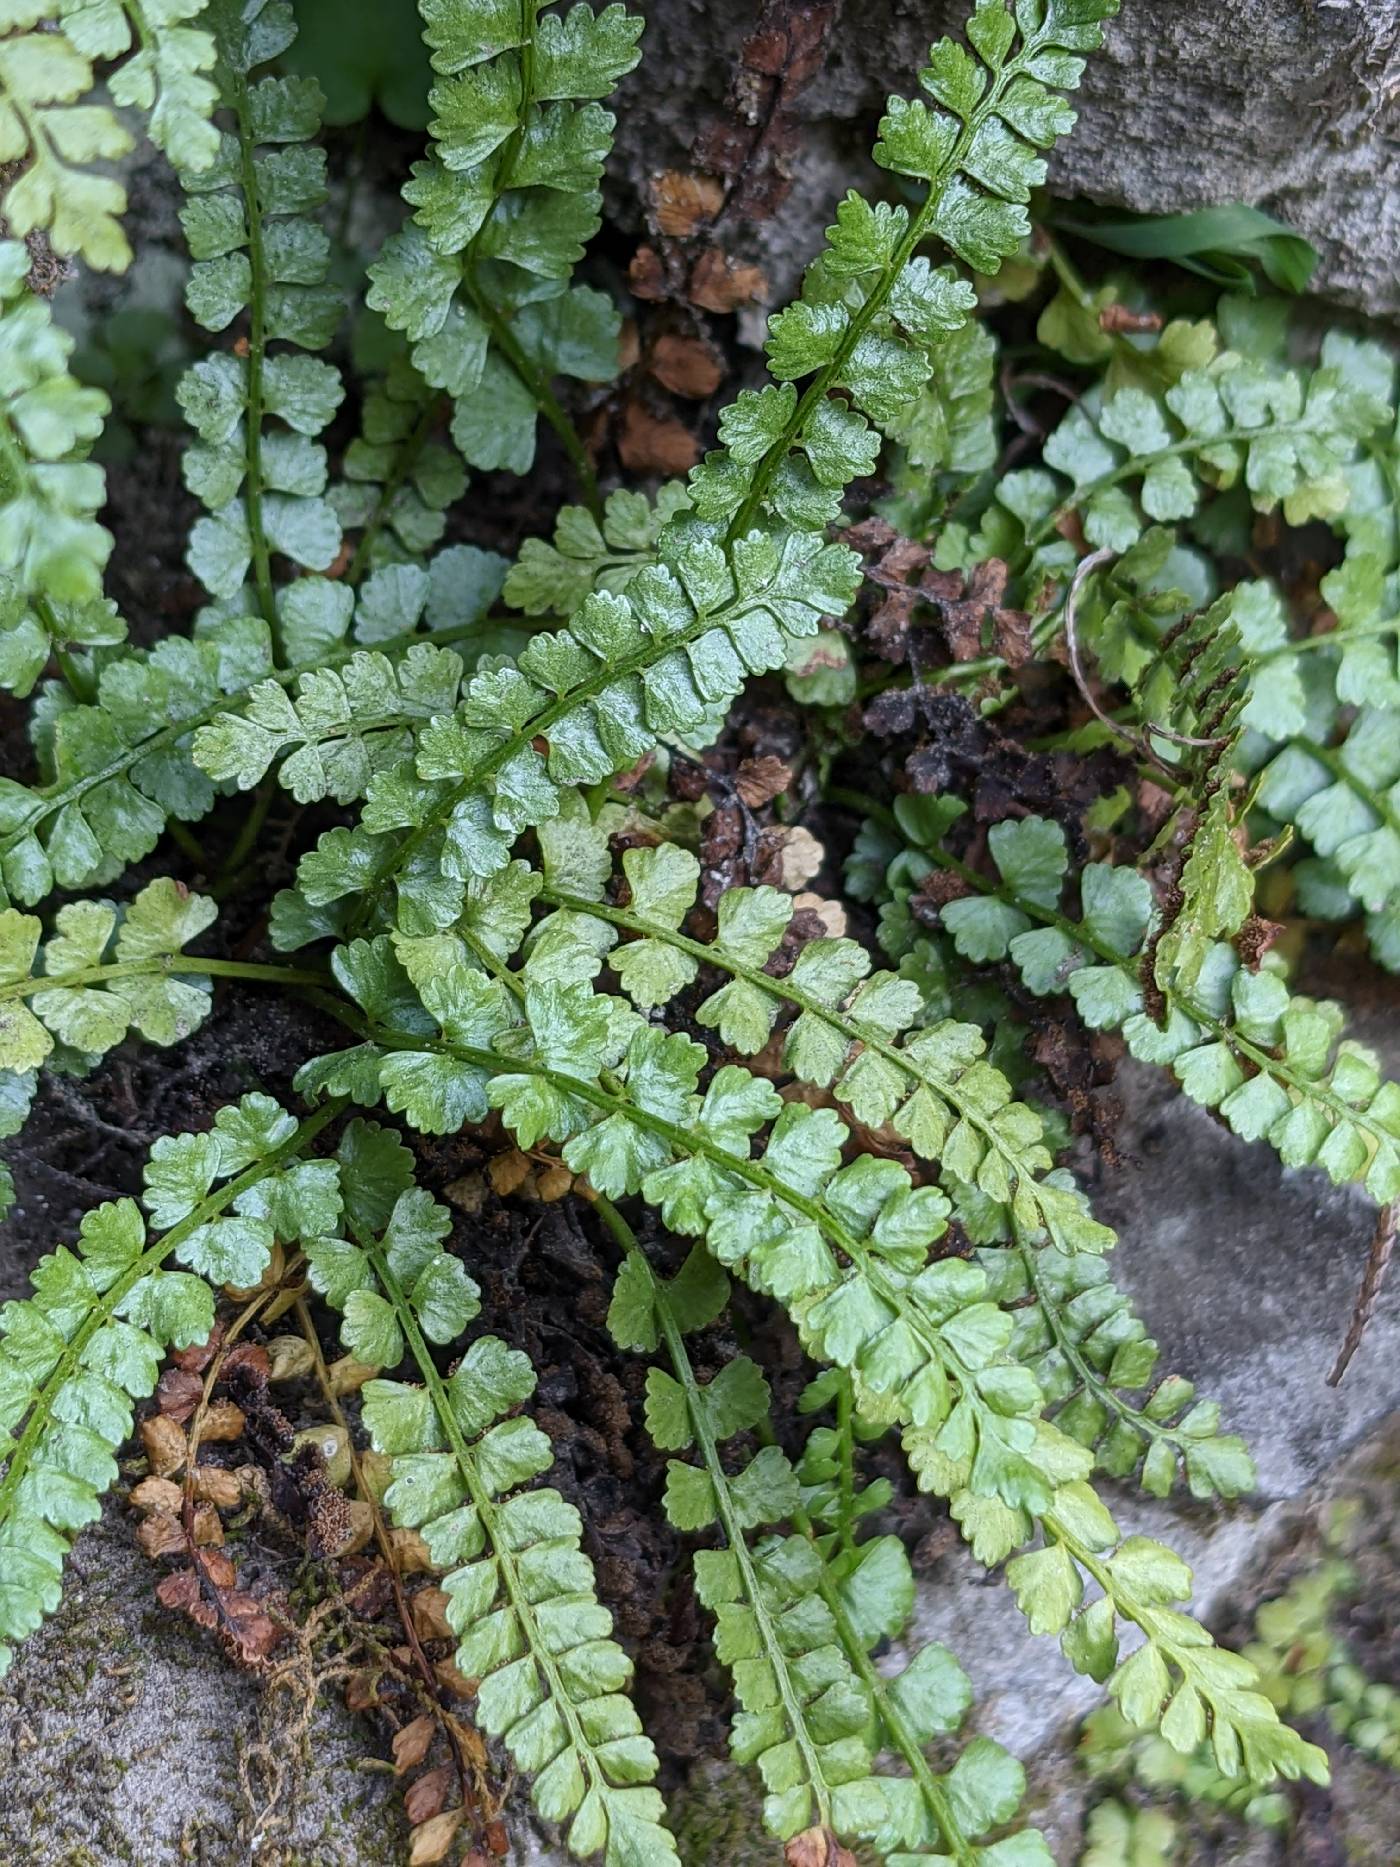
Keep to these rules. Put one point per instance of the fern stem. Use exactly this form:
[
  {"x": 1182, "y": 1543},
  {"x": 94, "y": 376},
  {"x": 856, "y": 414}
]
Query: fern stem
[
  {"x": 257, "y": 345},
  {"x": 150, "y": 1260},
  {"x": 719, "y": 1479},
  {"x": 846, "y": 1461},
  {"x": 482, "y": 1501},
  {"x": 545, "y": 399},
  {"x": 264, "y": 973}
]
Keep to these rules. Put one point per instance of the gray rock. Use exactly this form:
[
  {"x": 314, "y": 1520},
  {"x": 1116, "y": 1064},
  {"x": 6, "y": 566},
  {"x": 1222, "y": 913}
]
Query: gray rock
[{"x": 1291, "y": 105}]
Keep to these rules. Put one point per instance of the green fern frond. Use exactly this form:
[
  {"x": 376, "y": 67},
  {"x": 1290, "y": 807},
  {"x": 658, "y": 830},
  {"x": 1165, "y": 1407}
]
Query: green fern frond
[
  {"x": 1273, "y": 1064},
  {"x": 663, "y": 657},
  {"x": 556, "y": 579},
  {"x": 398, "y": 478},
  {"x": 85, "y": 1001},
  {"x": 865, "y": 1037},
  {"x": 256, "y": 250},
  {"x": 116, "y": 768},
  {"x": 505, "y": 203},
  {"x": 88, "y": 1342},
  {"x": 51, "y": 129},
  {"x": 872, "y": 310},
  {"x": 795, "y": 1629},
  {"x": 164, "y": 55},
  {"x": 52, "y": 549},
  {"x": 550, "y": 1677}
]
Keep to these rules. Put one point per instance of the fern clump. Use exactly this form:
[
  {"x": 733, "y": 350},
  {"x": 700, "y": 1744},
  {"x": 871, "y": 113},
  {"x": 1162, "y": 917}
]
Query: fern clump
[{"x": 540, "y": 839}]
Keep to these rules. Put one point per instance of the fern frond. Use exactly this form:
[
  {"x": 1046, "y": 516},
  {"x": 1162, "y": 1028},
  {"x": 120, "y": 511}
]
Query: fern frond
[
  {"x": 89, "y": 1341},
  {"x": 51, "y": 138},
  {"x": 1273, "y": 1064},
  {"x": 1344, "y": 800},
  {"x": 1125, "y": 459},
  {"x": 796, "y": 1630},
  {"x": 115, "y": 769},
  {"x": 663, "y": 657},
  {"x": 256, "y": 250},
  {"x": 164, "y": 56},
  {"x": 521, "y": 1590},
  {"x": 872, "y": 310},
  {"x": 803, "y": 1719},
  {"x": 398, "y": 478},
  {"x": 865, "y": 1037},
  {"x": 345, "y": 724},
  {"x": 82, "y": 999},
  {"x": 555, "y": 579},
  {"x": 1080, "y": 1337},
  {"x": 51, "y": 546},
  {"x": 504, "y": 205}
]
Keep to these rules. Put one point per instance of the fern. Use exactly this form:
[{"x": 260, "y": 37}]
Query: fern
[
  {"x": 555, "y": 579},
  {"x": 1273, "y": 1064},
  {"x": 115, "y": 768},
  {"x": 843, "y": 1248},
  {"x": 255, "y": 250},
  {"x": 51, "y": 137},
  {"x": 399, "y": 479},
  {"x": 550, "y": 1677},
  {"x": 89, "y": 1340},
  {"x": 832, "y": 1122},
  {"x": 504, "y": 206},
  {"x": 52, "y": 549},
  {"x": 795, "y": 1630}
]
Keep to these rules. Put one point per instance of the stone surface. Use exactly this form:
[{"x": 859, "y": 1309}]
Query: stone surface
[{"x": 1292, "y": 105}]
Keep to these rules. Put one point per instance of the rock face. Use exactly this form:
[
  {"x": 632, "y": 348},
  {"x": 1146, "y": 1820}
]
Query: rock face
[{"x": 1291, "y": 105}]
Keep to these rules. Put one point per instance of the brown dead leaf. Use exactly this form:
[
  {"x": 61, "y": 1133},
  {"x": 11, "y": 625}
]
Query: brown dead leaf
[
  {"x": 831, "y": 915},
  {"x": 508, "y": 1172},
  {"x": 681, "y": 203},
  {"x": 720, "y": 283},
  {"x": 687, "y": 366},
  {"x": 426, "y": 1796},
  {"x": 788, "y": 856},
  {"x": 432, "y": 1840},
  {"x": 817, "y": 1847},
  {"x": 646, "y": 276},
  {"x": 410, "y": 1745},
  {"x": 223, "y": 1422},
  {"x": 429, "y": 1609},
  {"x": 759, "y": 780},
  {"x": 197, "y": 1357},
  {"x": 164, "y": 1444},
  {"x": 216, "y": 1485},
  {"x": 178, "y": 1393},
  {"x": 157, "y": 1494},
  {"x": 553, "y": 1183},
  {"x": 348, "y": 1376},
  {"x": 650, "y": 443},
  {"x": 970, "y": 608},
  {"x": 451, "y": 1678},
  {"x": 161, "y": 1534},
  {"x": 467, "y": 1194},
  {"x": 411, "y": 1553}
]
